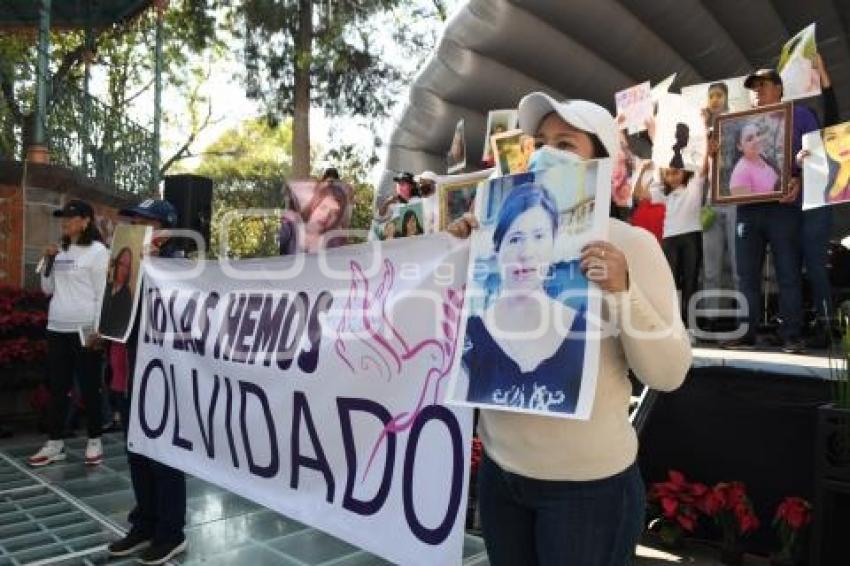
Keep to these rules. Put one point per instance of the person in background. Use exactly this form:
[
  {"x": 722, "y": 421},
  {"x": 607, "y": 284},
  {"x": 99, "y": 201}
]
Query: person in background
[
  {"x": 158, "y": 519},
  {"x": 681, "y": 193},
  {"x": 330, "y": 174},
  {"x": 717, "y": 103},
  {"x": 74, "y": 275},
  {"x": 427, "y": 181},
  {"x": 406, "y": 188},
  {"x": 777, "y": 224},
  {"x": 556, "y": 488},
  {"x": 816, "y": 228},
  {"x": 647, "y": 214}
]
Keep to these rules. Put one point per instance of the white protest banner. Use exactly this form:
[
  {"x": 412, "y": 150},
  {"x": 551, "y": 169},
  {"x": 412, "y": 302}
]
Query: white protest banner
[
  {"x": 532, "y": 332},
  {"x": 800, "y": 78},
  {"x": 826, "y": 170},
  {"x": 318, "y": 395},
  {"x": 634, "y": 107},
  {"x": 662, "y": 88}
]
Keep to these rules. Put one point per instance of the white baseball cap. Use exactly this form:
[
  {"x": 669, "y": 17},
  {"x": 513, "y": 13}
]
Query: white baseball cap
[
  {"x": 582, "y": 114},
  {"x": 428, "y": 176}
]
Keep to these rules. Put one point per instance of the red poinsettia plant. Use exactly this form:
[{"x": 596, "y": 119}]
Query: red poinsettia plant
[
  {"x": 675, "y": 504},
  {"x": 792, "y": 518},
  {"x": 727, "y": 503},
  {"x": 23, "y": 318}
]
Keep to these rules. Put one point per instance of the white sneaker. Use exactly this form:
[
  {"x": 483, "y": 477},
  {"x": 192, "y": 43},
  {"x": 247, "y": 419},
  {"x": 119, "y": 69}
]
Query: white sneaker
[
  {"x": 52, "y": 451},
  {"x": 94, "y": 452}
]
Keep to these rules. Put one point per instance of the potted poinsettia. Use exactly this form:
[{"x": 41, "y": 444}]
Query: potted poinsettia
[
  {"x": 674, "y": 507},
  {"x": 727, "y": 503},
  {"x": 792, "y": 518}
]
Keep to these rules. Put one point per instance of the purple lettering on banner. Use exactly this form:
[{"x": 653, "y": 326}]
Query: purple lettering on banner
[
  {"x": 176, "y": 439},
  {"x": 177, "y": 336},
  {"x": 209, "y": 304},
  {"x": 228, "y": 422},
  {"x": 187, "y": 318},
  {"x": 292, "y": 335},
  {"x": 269, "y": 471},
  {"x": 268, "y": 329},
  {"x": 229, "y": 326},
  {"x": 344, "y": 407},
  {"x": 241, "y": 349},
  {"x": 207, "y": 433},
  {"x": 301, "y": 411},
  {"x": 155, "y": 363},
  {"x": 309, "y": 359},
  {"x": 366, "y": 332},
  {"x": 423, "y": 533}
]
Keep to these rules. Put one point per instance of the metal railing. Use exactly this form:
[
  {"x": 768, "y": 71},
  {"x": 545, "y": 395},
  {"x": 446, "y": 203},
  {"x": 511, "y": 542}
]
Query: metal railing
[{"x": 100, "y": 141}]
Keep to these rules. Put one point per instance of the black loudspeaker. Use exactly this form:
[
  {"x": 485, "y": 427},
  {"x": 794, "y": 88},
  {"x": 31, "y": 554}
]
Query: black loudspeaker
[{"x": 191, "y": 195}]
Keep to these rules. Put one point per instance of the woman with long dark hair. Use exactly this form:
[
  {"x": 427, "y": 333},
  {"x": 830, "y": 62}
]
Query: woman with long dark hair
[
  {"x": 117, "y": 297},
  {"x": 753, "y": 173},
  {"x": 74, "y": 275},
  {"x": 306, "y": 232}
]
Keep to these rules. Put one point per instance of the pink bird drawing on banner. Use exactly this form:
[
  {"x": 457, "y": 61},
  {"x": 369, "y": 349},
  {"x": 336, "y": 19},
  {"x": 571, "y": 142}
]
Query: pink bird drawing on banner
[{"x": 369, "y": 343}]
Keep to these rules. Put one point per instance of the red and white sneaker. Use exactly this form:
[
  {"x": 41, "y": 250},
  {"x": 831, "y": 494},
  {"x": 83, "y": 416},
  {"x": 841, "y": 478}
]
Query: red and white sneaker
[
  {"x": 94, "y": 452},
  {"x": 52, "y": 451}
]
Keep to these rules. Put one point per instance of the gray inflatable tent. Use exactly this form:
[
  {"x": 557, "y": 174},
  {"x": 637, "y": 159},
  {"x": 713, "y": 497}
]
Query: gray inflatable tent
[{"x": 492, "y": 52}]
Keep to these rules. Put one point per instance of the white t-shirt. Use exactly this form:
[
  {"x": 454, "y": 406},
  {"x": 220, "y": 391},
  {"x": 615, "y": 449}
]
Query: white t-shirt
[
  {"x": 76, "y": 283},
  {"x": 683, "y": 206}
]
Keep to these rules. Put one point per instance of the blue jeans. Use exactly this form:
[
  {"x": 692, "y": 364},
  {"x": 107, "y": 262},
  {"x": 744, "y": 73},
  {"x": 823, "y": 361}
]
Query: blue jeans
[
  {"x": 816, "y": 230},
  {"x": 572, "y": 523},
  {"x": 778, "y": 225}
]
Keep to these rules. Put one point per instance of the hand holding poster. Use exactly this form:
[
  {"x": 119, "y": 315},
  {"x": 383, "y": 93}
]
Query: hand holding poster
[
  {"x": 532, "y": 340},
  {"x": 826, "y": 169},
  {"x": 123, "y": 281},
  {"x": 634, "y": 107},
  {"x": 456, "y": 195},
  {"x": 800, "y": 77},
  {"x": 317, "y": 395}
]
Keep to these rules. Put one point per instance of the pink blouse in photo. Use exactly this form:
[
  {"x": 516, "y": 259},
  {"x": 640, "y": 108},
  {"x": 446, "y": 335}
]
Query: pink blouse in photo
[{"x": 757, "y": 176}]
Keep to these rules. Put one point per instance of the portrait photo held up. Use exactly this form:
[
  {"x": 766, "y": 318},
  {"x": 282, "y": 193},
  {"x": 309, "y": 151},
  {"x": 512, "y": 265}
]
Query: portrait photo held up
[
  {"x": 753, "y": 159},
  {"x": 532, "y": 337}
]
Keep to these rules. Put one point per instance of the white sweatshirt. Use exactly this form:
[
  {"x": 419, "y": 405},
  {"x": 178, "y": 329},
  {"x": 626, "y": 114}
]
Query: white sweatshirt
[
  {"x": 683, "y": 206},
  {"x": 76, "y": 284}
]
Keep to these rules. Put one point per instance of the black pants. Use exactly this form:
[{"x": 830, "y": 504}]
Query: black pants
[
  {"x": 160, "y": 490},
  {"x": 65, "y": 356},
  {"x": 684, "y": 254}
]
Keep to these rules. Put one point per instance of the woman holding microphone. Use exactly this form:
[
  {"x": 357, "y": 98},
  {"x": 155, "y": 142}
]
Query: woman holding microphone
[{"x": 74, "y": 275}]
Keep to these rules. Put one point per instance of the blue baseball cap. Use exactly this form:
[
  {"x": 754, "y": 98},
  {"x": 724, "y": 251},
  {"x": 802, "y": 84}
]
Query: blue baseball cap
[{"x": 153, "y": 209}]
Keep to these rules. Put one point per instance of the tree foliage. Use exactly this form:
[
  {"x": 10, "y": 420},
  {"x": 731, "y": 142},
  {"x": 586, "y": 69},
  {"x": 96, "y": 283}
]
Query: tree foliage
[{"x": 248, "y": 165}]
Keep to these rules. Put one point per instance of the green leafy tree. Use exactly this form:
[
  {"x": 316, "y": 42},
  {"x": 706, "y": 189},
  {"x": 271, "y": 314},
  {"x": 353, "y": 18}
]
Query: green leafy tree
[
  {"x": 248, "y": 165},
  {"x": 305, "y": 53}
]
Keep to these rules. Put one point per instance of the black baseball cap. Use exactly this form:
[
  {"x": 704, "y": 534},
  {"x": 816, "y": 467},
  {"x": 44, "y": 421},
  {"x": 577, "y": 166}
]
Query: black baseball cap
[
  {"x": 153, "y": 209},
  {"x": 405, "y": 177},
  {"x": 75, "y": 207},
  {"x": 767, "y": 74}
]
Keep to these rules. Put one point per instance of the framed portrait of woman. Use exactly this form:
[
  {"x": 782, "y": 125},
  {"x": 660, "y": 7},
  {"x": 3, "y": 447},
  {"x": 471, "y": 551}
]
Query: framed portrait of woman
[
  {"x": 123, "y": 281},
  {"x": 754, "y": 155},
  {"x": 532, "y": 335},
  {"x": 456, "y": 194}
]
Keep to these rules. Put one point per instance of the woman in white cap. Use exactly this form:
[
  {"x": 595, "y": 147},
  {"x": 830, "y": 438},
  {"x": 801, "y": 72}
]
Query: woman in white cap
[{"x": 561, "y": 491}]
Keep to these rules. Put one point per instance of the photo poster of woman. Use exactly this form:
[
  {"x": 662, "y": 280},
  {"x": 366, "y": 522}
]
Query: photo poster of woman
[
  {"x": 498, "y": 122},
  {"x": 456, "y": 156},
  {"x": 680, "y": 134},
  {"x": 512, "y": 150},
  {"x": 800, "y": 78},
  {"x": 826, "y": 170},
  {"x": 754, "y": 154},
  {"x": 716, "y": 98},
  {"x": 405, "y": 220},
  {"x": 532, "y": 318},
  {"x": 634, "y": 107},
  {"x": 123, "y": 281},
  {"x": 456, "y": 194}
]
